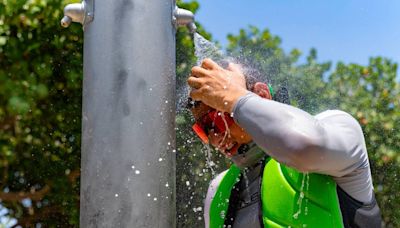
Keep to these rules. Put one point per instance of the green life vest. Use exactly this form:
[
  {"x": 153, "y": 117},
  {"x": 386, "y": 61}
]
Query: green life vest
[{"x": 289, "y": 198}]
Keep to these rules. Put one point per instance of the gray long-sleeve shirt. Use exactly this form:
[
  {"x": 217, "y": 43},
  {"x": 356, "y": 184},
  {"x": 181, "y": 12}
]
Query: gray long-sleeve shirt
[{"x": 331, "y": 142}]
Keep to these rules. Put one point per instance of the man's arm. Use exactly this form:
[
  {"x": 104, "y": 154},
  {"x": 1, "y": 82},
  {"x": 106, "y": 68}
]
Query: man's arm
[
  {"x": 333, "y": 146},
  {"x": 288, "y": 134}
]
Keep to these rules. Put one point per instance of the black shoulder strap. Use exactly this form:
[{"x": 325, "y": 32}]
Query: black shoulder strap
[
  {"x": 357, "y": 214},
  {"x": 260, "y": 215},
  {"x": 236, "y": 203},
  {"x": 233, "y": 206}
]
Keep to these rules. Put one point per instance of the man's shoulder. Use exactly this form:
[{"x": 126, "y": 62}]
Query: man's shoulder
[
  {"x": 332, "y": 114},
  {"x": 338, "y": 117}
]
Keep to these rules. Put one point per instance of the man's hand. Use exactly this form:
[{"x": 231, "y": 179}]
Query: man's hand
[{"x": 217, "y": 87}]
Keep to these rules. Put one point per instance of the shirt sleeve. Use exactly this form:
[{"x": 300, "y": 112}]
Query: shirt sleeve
[{"x": 330, "y": 143}]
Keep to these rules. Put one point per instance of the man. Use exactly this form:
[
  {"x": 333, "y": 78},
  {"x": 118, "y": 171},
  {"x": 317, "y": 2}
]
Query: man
[{"x": 271, "y": 144}]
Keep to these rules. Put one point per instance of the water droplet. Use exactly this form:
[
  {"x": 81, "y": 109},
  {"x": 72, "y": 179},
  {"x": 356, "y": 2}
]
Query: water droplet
[
  {"x": 167, "y": 185},
  {"x": 187, "y": 183},
  {"x": 160, "y": 159},
  {"x": 166, "y": 102},
  {"x": 137, "y": 172},
  {"x": 148, "y": 194},
  {"x": 222, "y": 214},
  {"x": 169, "y": 143},
  {"x": 173, "y": 151},
  {"x": 155, "y": 199},
  {"x": 116, "y": 195},
  {"x": 225, "y": 103},
  {"x": 133, "y": 167}
]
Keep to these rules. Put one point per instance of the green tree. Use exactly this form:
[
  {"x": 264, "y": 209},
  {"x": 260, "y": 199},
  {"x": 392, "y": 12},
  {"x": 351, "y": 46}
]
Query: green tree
[{"x": 40, "y": 109}]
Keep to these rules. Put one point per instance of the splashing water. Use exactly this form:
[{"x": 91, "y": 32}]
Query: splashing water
[
  {"x": 307, "y": 187},
  {"x": 203, "y": 49},
  {"x": 210, "y": 164},
  {"x": 304, "y": 182},
  {"x": 206, "y": 49},
  {"x": 227, "y": 131}
]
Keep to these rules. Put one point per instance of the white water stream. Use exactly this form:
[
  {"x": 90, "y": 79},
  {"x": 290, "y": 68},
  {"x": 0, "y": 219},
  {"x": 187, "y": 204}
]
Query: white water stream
[
  {"x": 305, "y": 182},
  {"x": 206, "y": 49}
]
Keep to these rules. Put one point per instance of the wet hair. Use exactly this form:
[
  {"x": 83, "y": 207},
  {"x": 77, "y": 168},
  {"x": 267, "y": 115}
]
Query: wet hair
[
  {"x": 252, "y": 76},
  {"x": 192, "y": 103},
  {"x": 282, "y": 95},
  {"x": 250, "y": 70}
]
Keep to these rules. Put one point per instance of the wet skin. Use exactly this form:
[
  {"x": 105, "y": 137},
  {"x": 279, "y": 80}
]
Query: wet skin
[
  {"x": 228, "y": 141},
  {"x": 220, "y": 89},
  {"x": 217, "y": 87}
]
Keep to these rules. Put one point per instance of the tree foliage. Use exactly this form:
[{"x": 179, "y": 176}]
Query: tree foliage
[{"x": 40, "y": 109}]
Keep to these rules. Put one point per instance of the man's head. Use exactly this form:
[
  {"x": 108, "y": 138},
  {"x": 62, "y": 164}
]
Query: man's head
[{"x": 219, "y": 129}]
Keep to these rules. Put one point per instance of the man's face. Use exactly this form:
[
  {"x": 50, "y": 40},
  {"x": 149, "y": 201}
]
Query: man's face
[{"x": 219, "y": 128}]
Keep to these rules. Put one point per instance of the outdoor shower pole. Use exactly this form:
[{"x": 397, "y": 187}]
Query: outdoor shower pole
[
  {"x": 128, "y": 164},
  {"x": 128, "y": 122},
  {"x": 128, "y": 140}
]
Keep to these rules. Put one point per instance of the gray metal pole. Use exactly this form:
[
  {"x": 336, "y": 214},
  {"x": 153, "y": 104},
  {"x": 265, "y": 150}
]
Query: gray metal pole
[{"x": 128, "y": 160}]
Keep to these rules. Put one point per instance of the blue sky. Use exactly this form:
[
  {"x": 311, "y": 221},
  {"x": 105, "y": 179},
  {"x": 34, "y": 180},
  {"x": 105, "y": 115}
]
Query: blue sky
[{"x": 346, "y": 30}]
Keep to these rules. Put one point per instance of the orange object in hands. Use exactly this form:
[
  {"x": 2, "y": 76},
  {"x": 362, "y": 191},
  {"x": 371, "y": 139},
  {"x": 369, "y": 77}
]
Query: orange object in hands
[
  {"x": 212, "y": 120},
  {"x": 200, "y": 132}
]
